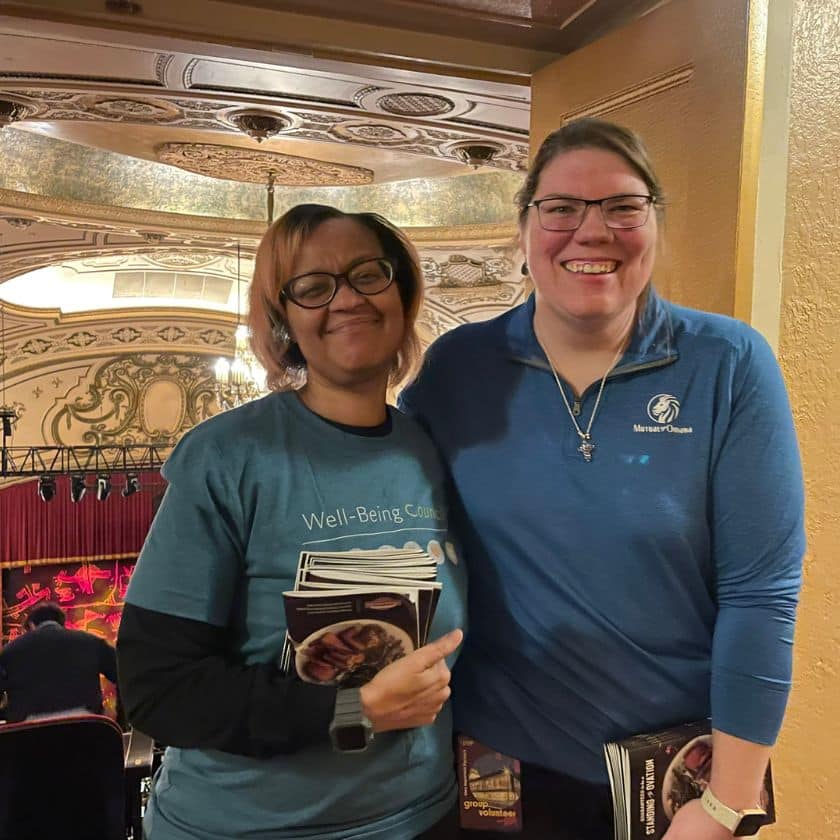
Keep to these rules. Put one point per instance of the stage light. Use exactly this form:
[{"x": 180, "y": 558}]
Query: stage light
[
  {"x": 132, "y": 485},
  {"x": 103, "y": 487},
  {"x": 46, "y": 488},
  {"x": 78, "y": 488}
]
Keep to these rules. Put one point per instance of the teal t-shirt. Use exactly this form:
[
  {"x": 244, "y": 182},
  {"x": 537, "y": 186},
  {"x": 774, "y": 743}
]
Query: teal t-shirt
[{"x": 249, "y": 490}]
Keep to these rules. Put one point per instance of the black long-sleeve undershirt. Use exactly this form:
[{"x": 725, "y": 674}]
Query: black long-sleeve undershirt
[{"x": 180, "y": 686}]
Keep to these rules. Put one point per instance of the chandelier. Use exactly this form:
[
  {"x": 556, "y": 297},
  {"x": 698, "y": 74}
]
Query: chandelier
[{"x": 242, "y": 379}]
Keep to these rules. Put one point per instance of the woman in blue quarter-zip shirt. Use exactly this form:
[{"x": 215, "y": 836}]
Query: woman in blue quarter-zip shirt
[{"x": 629, "y": 495}]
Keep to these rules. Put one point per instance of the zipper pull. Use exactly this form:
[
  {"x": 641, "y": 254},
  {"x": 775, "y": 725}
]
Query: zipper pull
[{"x": 576, "y": 407}]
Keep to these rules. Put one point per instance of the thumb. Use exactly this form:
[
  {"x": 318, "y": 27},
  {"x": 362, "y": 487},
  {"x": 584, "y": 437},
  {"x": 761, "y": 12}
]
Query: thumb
[{"x": 440, "y": 648}]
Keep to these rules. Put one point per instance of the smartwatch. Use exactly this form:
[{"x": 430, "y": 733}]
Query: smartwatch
[
  {"x": 350, "y": 730},
  {"x": 742, "y": 823}
]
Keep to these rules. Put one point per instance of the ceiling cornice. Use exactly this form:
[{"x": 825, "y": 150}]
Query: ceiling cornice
[{"x": 231, "y": 25}]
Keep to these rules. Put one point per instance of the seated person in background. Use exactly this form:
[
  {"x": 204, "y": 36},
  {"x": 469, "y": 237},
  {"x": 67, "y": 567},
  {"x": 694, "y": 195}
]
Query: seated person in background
[{"x": 52, "y": 669}]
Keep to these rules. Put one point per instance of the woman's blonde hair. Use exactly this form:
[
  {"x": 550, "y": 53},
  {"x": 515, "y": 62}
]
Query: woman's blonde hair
[{"x": 277, "y": 253}]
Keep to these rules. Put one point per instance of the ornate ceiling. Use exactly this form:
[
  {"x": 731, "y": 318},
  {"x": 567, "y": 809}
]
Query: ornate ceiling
[
  {"x": 128, "y": 181},
  {"x": 124, "y": 140}
]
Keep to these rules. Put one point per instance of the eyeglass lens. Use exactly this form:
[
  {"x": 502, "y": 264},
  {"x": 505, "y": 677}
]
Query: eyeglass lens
[
  {"x": 318, "y": 288},
  {"x": 620, "y": 211}
]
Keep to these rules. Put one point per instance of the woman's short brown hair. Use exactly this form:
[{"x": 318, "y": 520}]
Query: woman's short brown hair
[
  {"x": 276, "y": 255},
  {"x": 591, "y": 133}
]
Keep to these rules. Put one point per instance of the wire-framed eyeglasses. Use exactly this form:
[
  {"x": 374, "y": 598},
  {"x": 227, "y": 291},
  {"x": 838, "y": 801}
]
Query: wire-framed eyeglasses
[
  {"x": 620, "y": 212},
  {"x": 318, "y": 288}
]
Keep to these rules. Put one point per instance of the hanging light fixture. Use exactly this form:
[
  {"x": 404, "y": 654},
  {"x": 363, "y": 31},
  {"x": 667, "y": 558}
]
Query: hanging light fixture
[
  {"x": 132, "y": 485},
  {"x": 241, "y": 380},
  {"x": 78, "y": 488},
  {"x": 46, "y": 488}
]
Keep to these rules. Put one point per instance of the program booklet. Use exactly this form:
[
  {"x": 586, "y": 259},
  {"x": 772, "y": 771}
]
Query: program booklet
[
  {"x": 652, "y": 775},
  {"x": 489, "y": 788},
  {"x": 352, "y": 613}
]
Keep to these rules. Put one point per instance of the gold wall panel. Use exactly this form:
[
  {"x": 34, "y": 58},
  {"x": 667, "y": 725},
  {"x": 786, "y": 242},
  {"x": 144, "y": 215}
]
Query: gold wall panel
[
  {"x": 677, "y": 76},
  {"x": 809, "y": 350}
]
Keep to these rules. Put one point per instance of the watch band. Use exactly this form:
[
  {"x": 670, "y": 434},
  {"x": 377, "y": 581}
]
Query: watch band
[
  {"x": 741, "y": 823},
  {"x": 350, "y": 730}
]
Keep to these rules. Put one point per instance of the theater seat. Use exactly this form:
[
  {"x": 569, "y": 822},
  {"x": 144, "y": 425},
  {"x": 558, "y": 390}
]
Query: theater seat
[{"x": 62, "y": 778}]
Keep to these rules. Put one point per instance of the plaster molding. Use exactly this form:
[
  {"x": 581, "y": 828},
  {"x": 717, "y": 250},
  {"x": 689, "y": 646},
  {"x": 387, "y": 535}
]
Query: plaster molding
[
  {"x": 652, "y": 86},
  {"x": 132, "y": 103}
]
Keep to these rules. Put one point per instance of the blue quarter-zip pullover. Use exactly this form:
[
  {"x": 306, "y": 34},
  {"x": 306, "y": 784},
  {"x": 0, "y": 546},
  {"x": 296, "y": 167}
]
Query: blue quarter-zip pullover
[{"x": 655, "y": 585}]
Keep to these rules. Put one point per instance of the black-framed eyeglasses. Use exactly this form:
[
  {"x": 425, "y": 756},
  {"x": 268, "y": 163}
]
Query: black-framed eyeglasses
[
  {"x": 620, "y": 212},
  {"x": 318, "y": 288}
]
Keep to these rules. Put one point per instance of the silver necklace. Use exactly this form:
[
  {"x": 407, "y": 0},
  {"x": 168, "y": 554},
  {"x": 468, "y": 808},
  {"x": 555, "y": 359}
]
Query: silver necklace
[{"x": 587, "y": 445}]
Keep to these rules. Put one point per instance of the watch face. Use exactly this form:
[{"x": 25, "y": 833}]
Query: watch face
[
  {"x": 350, "y": 738},
  {"x": 749, "y": 825}
]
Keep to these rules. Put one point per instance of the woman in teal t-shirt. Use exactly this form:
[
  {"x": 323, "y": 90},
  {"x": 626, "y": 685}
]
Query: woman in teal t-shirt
[{"x": 322, "y": 463}]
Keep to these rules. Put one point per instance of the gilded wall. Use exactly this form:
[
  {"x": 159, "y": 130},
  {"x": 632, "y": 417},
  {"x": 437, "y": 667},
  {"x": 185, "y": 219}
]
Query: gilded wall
[{"x": 809, "y": 350}]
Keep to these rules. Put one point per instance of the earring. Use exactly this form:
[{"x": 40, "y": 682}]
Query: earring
[
  {"x": 280, "y": 333},
  {"x": 524, "y": 269}
]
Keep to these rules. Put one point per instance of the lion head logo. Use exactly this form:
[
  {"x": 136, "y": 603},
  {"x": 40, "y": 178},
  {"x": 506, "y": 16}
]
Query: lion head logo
[{"x": 663, "y": 408}]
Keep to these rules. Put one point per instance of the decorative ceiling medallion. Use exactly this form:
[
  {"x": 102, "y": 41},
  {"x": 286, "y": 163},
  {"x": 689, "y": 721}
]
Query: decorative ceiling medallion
[
  {"x": 373, "y": 134},
  {"x": 474, "y": 153},
  {"x": 127, "y": 108},
  {"x": 415, "y": 104},
  {"x": 259, "y": 125},
  {"x": 255, "y": 166}
]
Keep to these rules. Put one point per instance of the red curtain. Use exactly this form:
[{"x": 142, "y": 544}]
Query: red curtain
[
  {"x": 35, "y": 532},
  {"x": 79, "y": 555}
]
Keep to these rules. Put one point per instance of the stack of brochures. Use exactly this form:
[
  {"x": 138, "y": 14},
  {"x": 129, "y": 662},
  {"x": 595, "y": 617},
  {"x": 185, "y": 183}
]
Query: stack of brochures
[
  {"x": 654, "y": 774},
  {"x": 351, "y": 613}
]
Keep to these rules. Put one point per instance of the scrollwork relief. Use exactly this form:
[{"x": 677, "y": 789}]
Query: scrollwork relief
[{"x": 139, "y": 398}]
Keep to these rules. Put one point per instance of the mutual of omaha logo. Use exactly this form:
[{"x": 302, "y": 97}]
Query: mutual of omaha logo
[{"x": 663, "y": 408}]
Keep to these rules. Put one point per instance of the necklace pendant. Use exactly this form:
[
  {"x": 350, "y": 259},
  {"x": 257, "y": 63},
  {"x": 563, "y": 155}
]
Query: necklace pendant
[{"x": 586, "y": 449}]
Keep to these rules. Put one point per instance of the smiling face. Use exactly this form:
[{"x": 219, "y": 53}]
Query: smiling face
[
  {"x": 591, "y": 276},
  {"x": 355, "y": 337}
]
